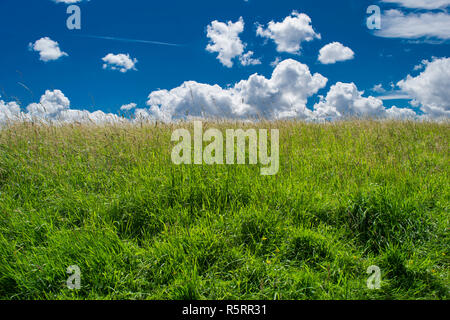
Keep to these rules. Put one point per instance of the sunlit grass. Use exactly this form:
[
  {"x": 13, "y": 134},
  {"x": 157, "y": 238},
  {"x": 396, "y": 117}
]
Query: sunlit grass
[{"x": 108, "y": 199}]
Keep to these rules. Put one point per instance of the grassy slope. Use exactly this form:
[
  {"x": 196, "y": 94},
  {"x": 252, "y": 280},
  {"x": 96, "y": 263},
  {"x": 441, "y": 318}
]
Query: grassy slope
[{"x": 348, "y": 195}]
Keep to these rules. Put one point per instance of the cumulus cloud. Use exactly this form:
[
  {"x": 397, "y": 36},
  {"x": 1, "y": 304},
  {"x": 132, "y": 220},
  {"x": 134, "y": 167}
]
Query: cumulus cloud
[
  {"x": 284, "y": 95},
  {"x": 121, "y": 62},
  {"x": 48, "y": 49},
  {"x": 289, "y": 34},
  {"x": 430, "y": 89},
  {"x": 334, "y": 52},
  {"x": 224, "y": 40},
  {"x": 345, "y": 100},
  {"x": 397, "y": 24},
  {"x": 52, "y": 104},
  {"x": 420, "y": 4},
  {"x": 53, "y": 107}
]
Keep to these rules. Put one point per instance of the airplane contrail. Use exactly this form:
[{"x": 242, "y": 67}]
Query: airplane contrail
[{"x": 133, "y": 40}]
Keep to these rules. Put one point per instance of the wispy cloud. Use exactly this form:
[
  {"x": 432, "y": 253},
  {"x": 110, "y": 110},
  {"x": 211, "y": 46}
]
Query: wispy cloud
[
  {"x": 397, "y": 24},
  {"x": 395, "y": 96},
  {"x": 420, "y": 4},
  {"x": 133, "y": 40}
]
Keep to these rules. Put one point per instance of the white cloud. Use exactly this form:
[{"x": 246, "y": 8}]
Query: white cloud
[
  {"x": 121, "y": 62},
  {"x": 430, "y": 89},
  {"x": 420, "y": 4},
  {"x": 9, "y": 112},
  {"x": 334, "y": 52},
  {"x": 284, "y": 95},
  {"x": 396, "y": 24},
  {"x": 289, "y": 34},
  {"x": 48, "y": 49},
  {"x": 128, "y": 107},
  {"x": 224, "y": 39},
  {"x": 248, "y": 60}
]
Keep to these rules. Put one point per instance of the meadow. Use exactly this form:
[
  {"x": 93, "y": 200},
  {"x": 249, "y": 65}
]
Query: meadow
[{"x": 348, "y": 195}]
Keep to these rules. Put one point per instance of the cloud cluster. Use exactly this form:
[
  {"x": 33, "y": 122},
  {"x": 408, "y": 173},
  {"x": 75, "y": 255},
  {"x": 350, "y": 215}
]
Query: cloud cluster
[
  {"x": 289, "y": 34},
  {"x": 53, "y": 107},
  {"x": 48, "y": 49},
  {"x": 345, "y": 100},
  {"x": 285, "y": 94},
  {"x": 334, "y": 52},
  {"x": 224, "y": 38},
  {"x": 121, "y": 62}
]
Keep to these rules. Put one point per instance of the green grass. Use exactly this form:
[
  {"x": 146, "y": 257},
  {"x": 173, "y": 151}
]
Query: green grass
[{"x": 108, "y": 199}]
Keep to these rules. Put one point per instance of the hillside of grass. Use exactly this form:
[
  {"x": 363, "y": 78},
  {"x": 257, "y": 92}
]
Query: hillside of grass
[{"x": 348, "y": 195}]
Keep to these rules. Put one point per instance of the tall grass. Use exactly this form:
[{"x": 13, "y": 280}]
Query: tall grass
[{"x": 348, "y": 195}]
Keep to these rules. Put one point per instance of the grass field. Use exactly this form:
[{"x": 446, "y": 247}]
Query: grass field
[{"x": 348, "y": 195}]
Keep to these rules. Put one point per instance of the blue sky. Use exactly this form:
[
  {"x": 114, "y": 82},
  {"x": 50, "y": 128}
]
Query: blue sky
[{"x": 378, "y": 59}]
